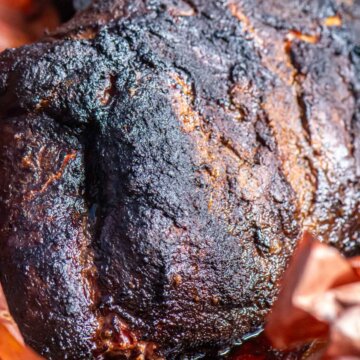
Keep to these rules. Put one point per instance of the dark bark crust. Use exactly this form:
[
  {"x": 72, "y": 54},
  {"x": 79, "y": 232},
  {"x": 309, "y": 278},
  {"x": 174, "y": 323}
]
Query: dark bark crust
[{"x": 159, "y": 162}]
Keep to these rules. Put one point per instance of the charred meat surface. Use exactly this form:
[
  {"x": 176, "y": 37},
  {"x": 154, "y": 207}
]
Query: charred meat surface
[{"x": 159, "y": 160}]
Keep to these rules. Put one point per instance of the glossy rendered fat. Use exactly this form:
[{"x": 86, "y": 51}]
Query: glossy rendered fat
[{"x": 159, "y": 161}]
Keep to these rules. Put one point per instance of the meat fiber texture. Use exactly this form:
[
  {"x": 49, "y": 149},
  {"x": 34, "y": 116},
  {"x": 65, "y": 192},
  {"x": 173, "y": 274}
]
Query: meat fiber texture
[{"x": 159, "y": 162}]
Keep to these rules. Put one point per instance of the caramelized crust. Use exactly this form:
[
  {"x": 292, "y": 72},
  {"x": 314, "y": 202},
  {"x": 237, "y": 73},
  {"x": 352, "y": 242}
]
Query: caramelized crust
[{"x": 159, "y": 161}]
